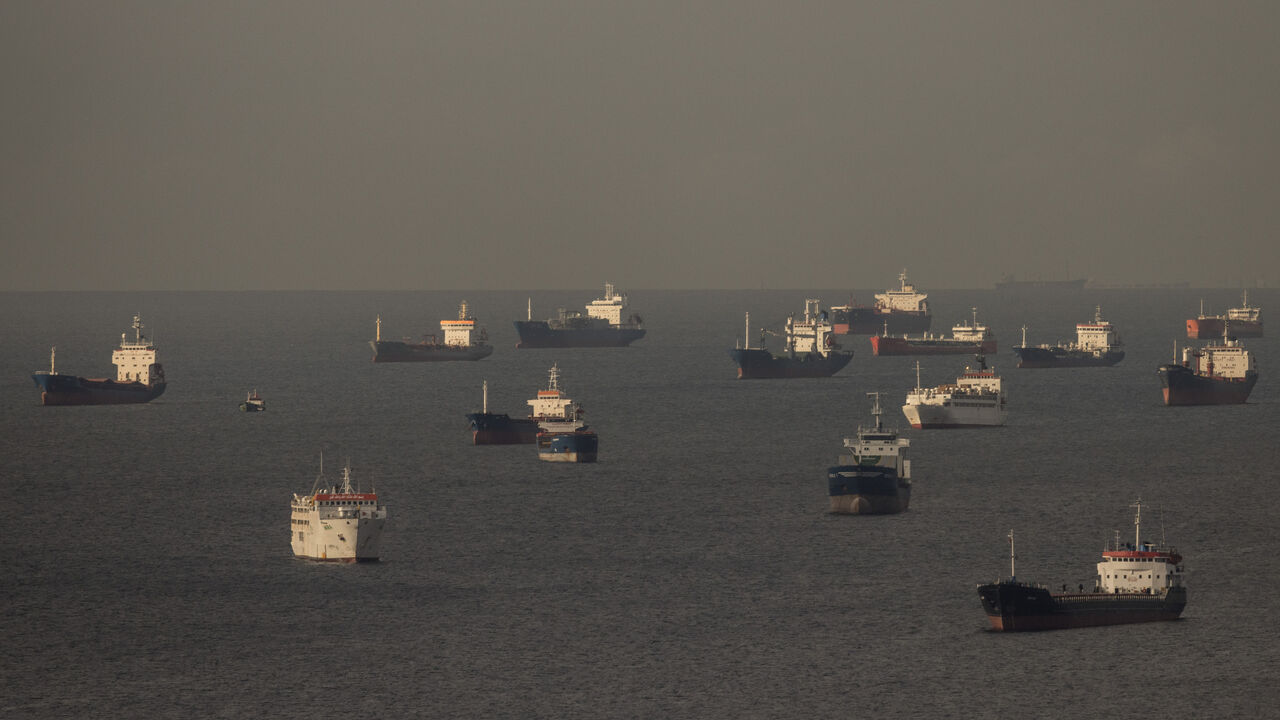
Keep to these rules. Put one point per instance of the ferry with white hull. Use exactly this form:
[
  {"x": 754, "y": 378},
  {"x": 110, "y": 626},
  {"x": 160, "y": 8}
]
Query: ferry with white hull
[
  {"x": 872, "y": 476},
  {"x": 337, "y": 523},
  {"x": 976, "y": 399},
  {"x": 1136, "y": 582}
]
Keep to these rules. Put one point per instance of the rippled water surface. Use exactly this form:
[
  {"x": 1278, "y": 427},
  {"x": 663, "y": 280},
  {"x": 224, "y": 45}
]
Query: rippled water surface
[{"x": 692, "y": 572}]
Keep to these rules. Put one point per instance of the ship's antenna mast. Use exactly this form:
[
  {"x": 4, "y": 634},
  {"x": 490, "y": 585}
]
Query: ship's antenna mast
[
  {"x": 528, "y": 313},
  {"x": 486, "y": 397},
  {"x": 319, "y": 477},
  {"x": 1024, "y": 336},
  {"x": 1137, "y": 524},
  {"x": 377, "y": 333},
  {"x": 975, "y": 317},
  {"x": 875, "y": 408},
  {"x": 747, "y": 338},
  {"x": 917, "y": 375},
  {"x": 53, "y": 353},
  {"x": 1012, "y": 557}
]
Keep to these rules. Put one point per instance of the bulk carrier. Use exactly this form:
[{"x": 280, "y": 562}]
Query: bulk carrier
[
  {"x": 602, "y": 326},
  {"x": 1137, "y": 582},
  {"x": 811, "y": 349},
  {"x": 1096, "y": 345},
  {"x": 1218, "y": 374},
  {"x": 895, "y": 312},
  {"x": 139, "y": 378},
  {"x": 462, "y": 341}
]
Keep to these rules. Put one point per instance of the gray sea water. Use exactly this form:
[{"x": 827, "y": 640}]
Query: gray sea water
[{"x": 693, "y": 572}]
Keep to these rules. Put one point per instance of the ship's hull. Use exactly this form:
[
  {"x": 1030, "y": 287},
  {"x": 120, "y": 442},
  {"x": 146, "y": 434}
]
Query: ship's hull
[
  {"x": 764, "y": 365},
  {"x": 1183, "y": 387},
  {"x": 73, "y": 390},
  {"x": 501, "y": 429},
  {"x": 252, "y": 407},
  {"x": 342, "y": 540},
  {"x": 1244, "y": 328},
  {"x": 573, "y": 447},
  {"x": 1014, "y": 607},
  {"x": 888, "y": 345},
  {"x": 862, "y": 490},
  {"x": 960, "y": 414},
  {"x": 385, "y": 351},
  {"x": 1205, "y": 328},
  {"x": 873, "y": 321},
  {"x": 1059, "y": 357},
  {"x": 540, "y": 334}
]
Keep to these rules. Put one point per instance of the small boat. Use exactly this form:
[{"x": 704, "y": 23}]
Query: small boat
[{"x": 254, "y": 403}]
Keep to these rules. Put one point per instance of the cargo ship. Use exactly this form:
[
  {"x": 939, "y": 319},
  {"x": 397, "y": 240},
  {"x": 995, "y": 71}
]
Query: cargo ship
[
  {"x": 562, "y": 435},
  {"x": 500, "y": 428},
  {"x": 811, "y": 349},
  {"x": 1218, "y": 374},
  {"x": 966, "y": 339},
  {"x": 975, "y": 399},
  {"x": 873, "y": 476},
  {"x": 1243, "y": 321},
  {"x": 1136, "y": 582},
  {"x": 337, "y": 523},
  {"x": 253, "y": 402},
  {"x": 1096, "y": 345},
  {"x": 895, "y": 312},
  {"x": 462, "y": 341},
  {"x": 139, "y": 378},
  {"x": 602, "y": 326}
]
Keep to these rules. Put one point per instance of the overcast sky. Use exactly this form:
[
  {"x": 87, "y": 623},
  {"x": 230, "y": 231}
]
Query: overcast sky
[{"x": 722, "y": 144}]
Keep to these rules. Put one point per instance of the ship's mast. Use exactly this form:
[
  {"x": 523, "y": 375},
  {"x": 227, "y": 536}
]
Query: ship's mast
[
  {"x": 485, "y": 405},
  {"x": 528, "y": 313},
  {"x": 1137, "y": 524},
  {"x": 377, "y": 333},
  {"x": 1024, "y": 336},
  {"x": 917, "y": 375},
  {"x": 875, "y": 408},
  {"x": 53, "y": 352},
  {"x": 137, "y": 328},
  {"x": 747, "y": 337},
  {"x": 1013, "y": 576}
]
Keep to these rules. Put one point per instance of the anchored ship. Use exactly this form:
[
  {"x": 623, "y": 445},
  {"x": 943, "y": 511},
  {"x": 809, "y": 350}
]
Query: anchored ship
[
  {"x": 602, "y": 326},
  {"x": 562, "y": 436},
  {"x": 139, "y": 378},
  {"x": 1136, "y": 582},
  {"x": 966, "y": 339},
  {"x": 873, "y": 475},
  {"x": 1243, "y": 321},
  {"x": 462, "y": 341},
  {"x": 1219, "y": 374},
  {"x": 253, "y": 402},
  {"x": 1096, "y": 345},
  {"x": 811, "y": 349},
  {"x": 337, "y": 523},
  {"x": 895, "y": 312},
  {"x": 976, "y": 399},
  {"x": 500, "y": 428}
]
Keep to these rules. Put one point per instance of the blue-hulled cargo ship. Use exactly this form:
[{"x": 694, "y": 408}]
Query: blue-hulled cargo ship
[
  {"x": 562, "y": 435},
  {"x": 873, "y": 476},
  {"x": 139, "y": 378},
  {"x": 603, "y": 325}
]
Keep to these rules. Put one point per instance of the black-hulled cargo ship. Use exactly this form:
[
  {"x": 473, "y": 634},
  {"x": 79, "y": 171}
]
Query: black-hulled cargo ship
[
  {"x": 462, "y": 341},
  {"x": 966, "y": 339},
  {"x": 602, "y": 326},
  {"x": 1096, "y": 345},
  {"x": 873, "y": 476},
  {"x": 895, "y": 312},
  {"x": 1138, "y": 582},
  {"x": 811, "y": 350},
  {"x": 139, "y": 378},
  {"x": 500, "y": 428},
  {"x": 1218, "y": 374}
]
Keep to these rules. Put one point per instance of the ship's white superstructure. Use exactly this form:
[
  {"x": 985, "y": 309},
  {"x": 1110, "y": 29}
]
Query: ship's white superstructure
[
  {"x": 877, "y": 447},
  {"x": 1227, "y": 360},
  {"x": 812, "y": 334},
  {"x": 905, "y": 298},
  {"x": 135, "y": 360},
  {"x": 610, "y": 307},
  {"x": 463, "y": 331},
  {"x": 1143, "y": 567},
  {"x": 337, "y": 523},
  {"x": 553, "y": 410},
  {"x": 975, "y": 399},
  {"x": 974, "y": 332},
  {"x": 1246, "y": 313},
  {"x": 1097, "y": 337}
]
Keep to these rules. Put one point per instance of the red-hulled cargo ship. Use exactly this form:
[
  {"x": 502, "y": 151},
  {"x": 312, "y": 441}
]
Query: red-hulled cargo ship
[
  {"x": 895, "y": 312},
  {"x": 966, "y": 339},
  {"x": 1243, "y": 321},
  {"x": 1138, "y": 582}
]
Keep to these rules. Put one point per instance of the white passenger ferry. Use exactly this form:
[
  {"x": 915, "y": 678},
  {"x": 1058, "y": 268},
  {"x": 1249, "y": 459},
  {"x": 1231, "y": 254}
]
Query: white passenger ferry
[
  {"x": 337, "y": 523},
  {"x": 975, "y": 399}
]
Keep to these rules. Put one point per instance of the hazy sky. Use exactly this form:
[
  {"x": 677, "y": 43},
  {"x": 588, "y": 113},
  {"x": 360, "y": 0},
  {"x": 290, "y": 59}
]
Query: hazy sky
[{"x": 722, "y": 144}]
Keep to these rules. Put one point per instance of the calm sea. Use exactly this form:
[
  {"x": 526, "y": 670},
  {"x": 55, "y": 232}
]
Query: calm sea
[{"x": 693, "y": 572}]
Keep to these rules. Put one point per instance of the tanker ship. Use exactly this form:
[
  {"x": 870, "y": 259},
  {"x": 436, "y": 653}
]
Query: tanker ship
[
  {"x": 500, "y": 428},
  {"x": 139, "y": 378},
  {"x": 1096, "y": 345},
  {"x": 966, "y": 339},
  {"x": 462, "y": 341},
  {"x": 873, "y": 475},
  {"x": 1243, "y": 321},
  {"x": 895, "y": 312},
  {"x": 1220, "y": 374},
  {"x": 602, "y": 326},
  {"x": 811, "y": 350},
  {"x": 1136, "y": 582}
]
